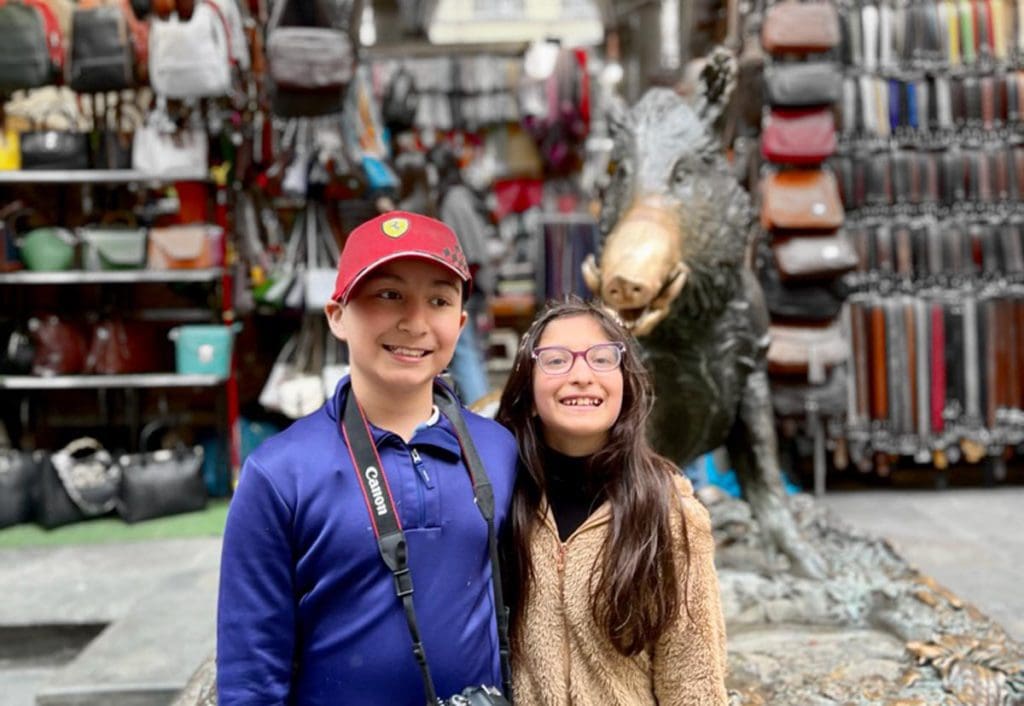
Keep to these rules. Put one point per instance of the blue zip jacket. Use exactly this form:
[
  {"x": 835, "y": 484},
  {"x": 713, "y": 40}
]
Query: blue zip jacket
[{"x": 307, "y": 611}]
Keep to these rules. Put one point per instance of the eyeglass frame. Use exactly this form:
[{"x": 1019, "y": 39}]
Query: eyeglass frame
[{"x": 617, "y": 345}]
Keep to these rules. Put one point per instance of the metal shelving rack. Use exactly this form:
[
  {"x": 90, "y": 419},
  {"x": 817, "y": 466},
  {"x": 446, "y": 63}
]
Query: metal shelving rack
[
  {"x": 131, "y": 384},
  {"x": 111, "y": 277}
]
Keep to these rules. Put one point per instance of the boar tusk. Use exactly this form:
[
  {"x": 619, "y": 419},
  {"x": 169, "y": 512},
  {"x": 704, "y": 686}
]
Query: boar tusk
[
  {"x": 646, "y": 323},
  {"x": 592, "y": 274}
]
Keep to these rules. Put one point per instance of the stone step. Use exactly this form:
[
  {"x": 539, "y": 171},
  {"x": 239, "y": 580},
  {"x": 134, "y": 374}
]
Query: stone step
[{"x": 146, "y": 657}]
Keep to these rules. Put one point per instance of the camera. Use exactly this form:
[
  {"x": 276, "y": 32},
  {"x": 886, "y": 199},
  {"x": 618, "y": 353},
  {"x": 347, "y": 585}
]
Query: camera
[{"x": 476, "y": 696}]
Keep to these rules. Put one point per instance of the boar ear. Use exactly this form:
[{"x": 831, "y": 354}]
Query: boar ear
[{"x": 715, "y": 85}]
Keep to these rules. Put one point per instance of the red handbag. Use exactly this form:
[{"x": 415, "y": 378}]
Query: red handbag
[{"x": 803, "y": 137}]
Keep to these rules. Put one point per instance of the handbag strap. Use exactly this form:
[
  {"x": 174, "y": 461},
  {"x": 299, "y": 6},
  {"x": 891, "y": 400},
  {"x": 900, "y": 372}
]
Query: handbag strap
[{"x": 387, "y": 525}]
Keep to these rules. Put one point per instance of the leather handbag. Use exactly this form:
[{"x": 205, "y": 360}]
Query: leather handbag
[
  {"x": 121, "y": 347},
  {"x": 101, "y": 50},
  {"x": 809, "y": 351},
  {"x": 113, "y": 248},
  {"x": 48, "y": 148},
  {"x": 18, "y": 351},
  {"x": 799, "y": 300},
  {"x": 48, "y": 249},
  {"x": 187, "y": 247},
  {"x": 792, "y": 26},
  {"x": 25, "y": 61},
  {"x": 814, "y": 257},
  {"x": 799, "y": 137},
  {"x": 157, "y": 152},
  {"x": 192, "y": 58},
  {"x": 59, "y": 345},
  {"x": 307, "y": 58},
  {"x": 78, "y": 482},
  {"x": 803, "y": 85},
  {"x": 161, "y": 483},
  {"x": 801, "y": 200},
  {"x": 10, "y": 150},
  {"x": 18, "y": 478}
]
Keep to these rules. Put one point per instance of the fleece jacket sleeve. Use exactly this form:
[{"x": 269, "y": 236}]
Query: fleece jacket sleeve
[
  {"x": 256, "y": 604},
  {"x": 690, "y": 659}
]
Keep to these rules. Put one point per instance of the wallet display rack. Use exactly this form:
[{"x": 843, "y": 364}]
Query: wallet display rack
[
  {"x": 805, "y": 248},
  {"x": 930, "y": 165}
]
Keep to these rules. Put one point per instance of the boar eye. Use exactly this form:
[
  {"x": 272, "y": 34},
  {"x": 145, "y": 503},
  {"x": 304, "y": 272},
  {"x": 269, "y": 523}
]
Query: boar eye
[{"x": 680, "y": 173}]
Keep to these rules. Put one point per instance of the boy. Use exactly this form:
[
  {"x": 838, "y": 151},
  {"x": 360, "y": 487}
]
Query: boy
[{"x": 307, "y": 608}]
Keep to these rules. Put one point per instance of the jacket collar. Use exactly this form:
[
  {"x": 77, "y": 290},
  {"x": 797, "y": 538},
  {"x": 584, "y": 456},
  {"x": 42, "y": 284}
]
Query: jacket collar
[
  {"x": 598, "y": 518},
  {"x": 440, "y": 436}
]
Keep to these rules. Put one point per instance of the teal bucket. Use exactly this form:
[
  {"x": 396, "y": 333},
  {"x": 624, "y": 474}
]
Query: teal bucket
[{"x": 203, "y": 349}]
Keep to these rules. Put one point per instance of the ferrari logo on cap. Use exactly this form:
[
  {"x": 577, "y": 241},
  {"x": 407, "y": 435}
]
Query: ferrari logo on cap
[{"x": 395, "y": 227}]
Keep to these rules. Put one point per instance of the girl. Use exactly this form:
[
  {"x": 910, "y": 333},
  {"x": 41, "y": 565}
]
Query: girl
[{"x": 615, "y": 597}]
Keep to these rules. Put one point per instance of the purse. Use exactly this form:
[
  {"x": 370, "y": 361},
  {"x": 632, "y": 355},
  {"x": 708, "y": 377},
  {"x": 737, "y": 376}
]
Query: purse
[
  {"x": 101, "y": 50},
  {"x": 308, "y": 58},
  {"x": 157, "y": 152},
  {"x": 808, "y": 351},
  {"x": 48, "y": 249},
  {"x": 120, "y": 347},
  {"x": 791, "y": 26},
  {"x": 26, "y": 60},
  {"x": 803, "y": 85},
  {"x": 814, "y": 257},
  {"x": 161, "y": 483},
  {"x": 112, "y": 248},
  {"x": 185, "y": 247},
  {"x": 191, "y": 58},
  {"x": 801, "y": 199},
  {"x": 802, "y": 137},
  {"x": 10, "y": 150},
  {"x": 78, "y": 482},
  {"x": 48, "y": 148},
  {"x": 18, "y": 477},
  {"x": 60, "y": 347}
]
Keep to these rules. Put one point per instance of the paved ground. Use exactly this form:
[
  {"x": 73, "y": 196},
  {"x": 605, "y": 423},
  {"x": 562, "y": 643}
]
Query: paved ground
[{"x": 139, "y": 618}]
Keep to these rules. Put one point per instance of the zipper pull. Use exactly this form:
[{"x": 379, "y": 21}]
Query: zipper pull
[{"x": 417, "y": 463}]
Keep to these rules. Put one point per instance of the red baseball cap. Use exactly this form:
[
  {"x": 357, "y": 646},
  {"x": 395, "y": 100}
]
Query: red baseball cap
[{"x": 395, "y": 235}]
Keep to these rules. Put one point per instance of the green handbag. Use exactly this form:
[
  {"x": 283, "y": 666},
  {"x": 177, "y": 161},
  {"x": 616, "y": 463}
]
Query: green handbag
[
  {"x": 48, "y": 249},
  {"x": 113, "y": 248}
]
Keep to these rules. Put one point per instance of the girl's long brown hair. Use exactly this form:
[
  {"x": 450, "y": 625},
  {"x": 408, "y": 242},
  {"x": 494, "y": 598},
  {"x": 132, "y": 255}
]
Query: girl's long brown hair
[{"x": 634, "y": 593}]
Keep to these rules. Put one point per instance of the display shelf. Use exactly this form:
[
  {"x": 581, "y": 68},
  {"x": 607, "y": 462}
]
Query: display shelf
[
  {"x": 95, "y": 176},
  {"x": 113, "y": 277},
  {"x": 84, "y": 382}
]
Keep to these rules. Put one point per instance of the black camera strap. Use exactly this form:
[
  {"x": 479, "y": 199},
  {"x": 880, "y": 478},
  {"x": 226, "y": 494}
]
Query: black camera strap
[{"x": 388, "y": 529}]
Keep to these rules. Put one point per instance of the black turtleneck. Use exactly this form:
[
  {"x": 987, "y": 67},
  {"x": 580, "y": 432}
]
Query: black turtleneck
[{"x": 573, "y": 491}]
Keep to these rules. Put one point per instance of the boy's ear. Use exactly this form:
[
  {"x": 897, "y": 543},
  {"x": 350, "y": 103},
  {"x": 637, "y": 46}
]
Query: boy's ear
[
  {"x": 333, "y": 311},
  {"x": 463, "y": 319}
]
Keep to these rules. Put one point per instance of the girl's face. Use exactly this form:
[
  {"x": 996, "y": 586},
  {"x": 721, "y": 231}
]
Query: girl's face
[{"x": 577, "y": 408}]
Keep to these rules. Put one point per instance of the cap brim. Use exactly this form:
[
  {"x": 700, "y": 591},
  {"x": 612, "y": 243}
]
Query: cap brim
[{"x": 417, "y": 254}]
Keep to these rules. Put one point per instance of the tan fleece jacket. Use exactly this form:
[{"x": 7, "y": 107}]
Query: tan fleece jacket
[{"x": 567, "y": 659}]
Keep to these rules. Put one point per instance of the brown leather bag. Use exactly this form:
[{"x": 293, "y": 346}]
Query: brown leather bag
[
  {"x": 814, "y": 257},
  {"x": 806, "y": 350},
  {"x": 801, "y": 199},
  {"x": 792, "y": 26},
  {"x": 60, "y": 346},
  {"x": 121, "y": 347}
]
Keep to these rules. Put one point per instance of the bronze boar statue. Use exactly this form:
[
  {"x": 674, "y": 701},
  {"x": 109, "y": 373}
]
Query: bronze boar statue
[{"x": 677, "y": 228}]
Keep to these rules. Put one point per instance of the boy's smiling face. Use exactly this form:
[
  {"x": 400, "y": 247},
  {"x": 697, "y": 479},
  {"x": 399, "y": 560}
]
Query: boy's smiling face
[{"x": 400, "y": 323}]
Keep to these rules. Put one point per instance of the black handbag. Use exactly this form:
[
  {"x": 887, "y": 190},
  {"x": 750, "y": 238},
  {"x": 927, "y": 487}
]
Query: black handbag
[
  {"x": 803, "y": 85},
  {"x": 78, "y": 482},
  {"x": 18, "y": 475},
  {"x": 25, "y": 59},
  {"x": 160, "y": 483},
  {"x": 101, "y": 50},
  {"x": 45, "y": 148},
  {"x": 18, "y": 352}
]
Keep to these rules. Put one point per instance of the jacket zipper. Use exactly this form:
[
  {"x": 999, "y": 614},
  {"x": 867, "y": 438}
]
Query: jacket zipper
[
  {"x": 565, "y": 620},
  {"x": 421, "y": 470}
]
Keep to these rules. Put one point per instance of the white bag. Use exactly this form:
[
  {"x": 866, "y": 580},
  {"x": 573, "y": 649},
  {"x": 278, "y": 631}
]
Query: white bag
[
  {"x": 191, "y": 59},
  {"x": 157, "y": 152}
]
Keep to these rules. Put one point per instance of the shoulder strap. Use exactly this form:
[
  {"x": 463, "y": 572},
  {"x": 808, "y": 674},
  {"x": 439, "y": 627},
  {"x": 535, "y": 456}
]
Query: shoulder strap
[
  {"x": 386, "y": 525},
  {"x": 484, "y": 494}
]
